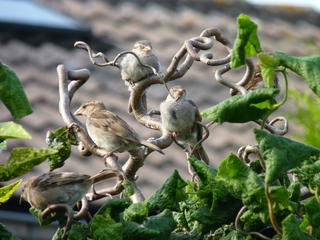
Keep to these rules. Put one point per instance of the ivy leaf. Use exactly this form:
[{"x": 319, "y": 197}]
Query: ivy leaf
[
  {"x": 307, "y": 67},
  {"x": 132, "y": 231},
  {"x": 280, "y": 154},
  {"x": 136, "y": 212},
  {"x": 238, "y": 178},
  {"x": 12, "y": 93},
  {"x": 163, "y": 222},
  {"x": 268, "y": 63},
  {"x": 22, "y": 160},
  {"x": 169, "y": 194},
  {"x": 247, "y": 42},
  {"x": 60, "y": 140},
  {"x": 241, "y": 108},
  {"x": 102, "y": 228},
  {"x": 291, "y": 230},
  {"x": 13, "y": 130},
  {"x": 7, "y": 191},
  {"x": 5, "y": 234}
]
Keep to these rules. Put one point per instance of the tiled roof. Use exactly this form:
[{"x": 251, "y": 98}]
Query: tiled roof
[{"x": 121, "y": 25}]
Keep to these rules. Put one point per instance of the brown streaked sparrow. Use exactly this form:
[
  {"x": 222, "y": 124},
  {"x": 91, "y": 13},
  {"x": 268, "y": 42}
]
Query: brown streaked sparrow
[
  {"x": 107, "y": 130},
  {"x": 60, "y": 188},
  {"x": 179, "y": 117},
  {"x": 132, "y": 71}
]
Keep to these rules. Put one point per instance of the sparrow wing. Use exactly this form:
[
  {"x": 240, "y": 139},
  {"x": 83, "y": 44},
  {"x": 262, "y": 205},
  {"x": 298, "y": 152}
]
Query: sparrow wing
[
  {"x": 55, "y": 179},
  {"x": 111, "y": 122},
  {"x": 197, "y": 113}
]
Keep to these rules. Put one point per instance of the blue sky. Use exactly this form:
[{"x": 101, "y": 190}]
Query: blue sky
[{"x": 315, "y": 4}]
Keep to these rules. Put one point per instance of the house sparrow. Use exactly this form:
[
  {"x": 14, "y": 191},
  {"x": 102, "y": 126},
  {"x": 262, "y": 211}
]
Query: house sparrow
[
  {"x": 59, "y": 188},
  {"x": 109, "y": 131},
  {"x": 132, "y": 71},
  {"x": 179, "y": 116}
]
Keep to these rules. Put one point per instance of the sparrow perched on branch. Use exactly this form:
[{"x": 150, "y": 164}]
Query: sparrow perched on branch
[
  {"x": 107, "y": 130},
  {"x": 131, "y": 70},
  {"x": 180, "y": 117},
  {"x": 60, "y": 188}
]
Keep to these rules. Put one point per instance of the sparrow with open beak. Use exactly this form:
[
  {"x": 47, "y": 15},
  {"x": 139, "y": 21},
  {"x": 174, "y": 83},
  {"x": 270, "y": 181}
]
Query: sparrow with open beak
[
  {"x": 107, "y": 130},
  {"x": 179, "y": 117}
]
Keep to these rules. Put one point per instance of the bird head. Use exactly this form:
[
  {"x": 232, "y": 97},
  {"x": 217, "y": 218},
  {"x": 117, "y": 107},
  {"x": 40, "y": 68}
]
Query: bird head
[
  {"x": 177, "y": 92},
  {"x": 143, "y": 45},
  {"x": 89, "y": 107}
]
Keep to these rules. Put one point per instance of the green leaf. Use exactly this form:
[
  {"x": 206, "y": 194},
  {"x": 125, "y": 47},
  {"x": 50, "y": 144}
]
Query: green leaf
[
  {"x": 22, "y": 160},
  {"x": 163, "y": 222},
  {"x": 291, "y": 230},
  {"x": 240, "y": 108},
  {"x": 5, "y": 234},
  {"x": 237, "y": 177},
  {"x": 267, "y": 104},
  {"x": 132, "y": 231},
  {"x": 129, "y": 189},
  {"x": 114, "y": 207},
  {"x": 247, "y": 42},
  {"x": 60, "y": 140},
  {"x": 184, "y": 236},
  {"x": 102, "y": 228},
  {"x": 13, "y": 130},
  {"x": 7, "y": 191},
  {"x": 280, "y": 154},
  {"x": 136, "y": 212},
  {"x": 307, "y": 67},
  {"x": 78, "y": 231},
  {"x": 12, "y": 93},
  {"x": 206, "y": 173},
  {"x": 268, "y": 64},
  {"x": 45, "y": 222},
  {"x": 234, "y": 235},
  {"x": 210, "y": 220},
  {"x": 169, "y": 194},
  {"x": 312, "y": 215}
]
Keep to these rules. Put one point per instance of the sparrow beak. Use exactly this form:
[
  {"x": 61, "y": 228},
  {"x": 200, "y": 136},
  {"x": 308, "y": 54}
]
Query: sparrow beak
[
  {"x": 78, "y": 112},
  {"x": 180, "y": 92},
  {"x": 147, "y": 48}
]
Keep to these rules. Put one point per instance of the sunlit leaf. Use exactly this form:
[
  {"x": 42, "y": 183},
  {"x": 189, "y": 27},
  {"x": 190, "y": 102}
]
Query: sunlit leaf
[
  {"x": 241, "y": 108},
  {"x": 12, "y": 130},
  {"x": 281, "y": 154},
  {"x": 7, "y": 191},
  {"x": 247, "y": 42},
  {"x": 307, "y": 67},
  {"x": 12, "y": 93}
]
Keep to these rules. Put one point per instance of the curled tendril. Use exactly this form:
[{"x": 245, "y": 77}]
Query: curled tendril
[
  {"x": 245, "y": 151},
  {"x": 275, "y": 130}
]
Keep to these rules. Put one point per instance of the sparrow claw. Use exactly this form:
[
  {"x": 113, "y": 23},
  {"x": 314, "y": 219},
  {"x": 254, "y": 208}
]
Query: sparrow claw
[{"x": 74, "y": 126}]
